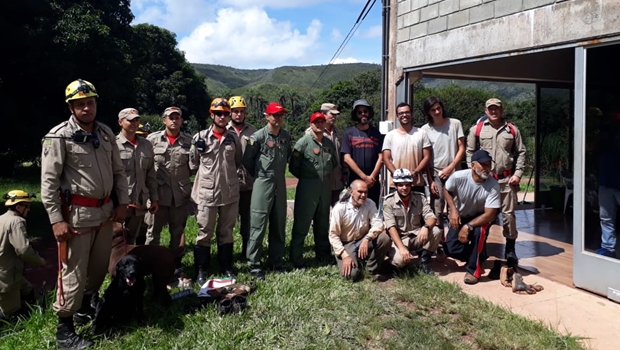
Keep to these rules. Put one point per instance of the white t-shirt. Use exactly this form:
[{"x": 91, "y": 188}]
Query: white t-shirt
[
  {"x": 471, "y": 197},
  {"x": 407, "y": 150},
  {"x": 445, "y": 142}
]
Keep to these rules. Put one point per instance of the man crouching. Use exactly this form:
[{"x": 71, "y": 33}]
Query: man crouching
[
  {"x": 473, "y": 202},
  {"x": 411, "y": 224},
  {"x": 356, "y": 232}
]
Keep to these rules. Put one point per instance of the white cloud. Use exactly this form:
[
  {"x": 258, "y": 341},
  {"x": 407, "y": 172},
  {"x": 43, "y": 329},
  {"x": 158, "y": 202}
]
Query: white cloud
[
  {"x": 336, "y": 35},
  {"x": 346, "y": 60},
  {"x": 174, "y": 15},
  {"x": 372, "y": 32},
  {"x": 272, "y": 3},
  {"x": 252, "y": 40}
]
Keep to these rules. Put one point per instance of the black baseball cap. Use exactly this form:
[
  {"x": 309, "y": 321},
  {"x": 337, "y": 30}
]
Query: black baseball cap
[{"x": 481, "y": 156}]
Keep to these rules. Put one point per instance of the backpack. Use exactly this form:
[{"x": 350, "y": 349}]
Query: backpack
[{"x": 479, "y": 126}]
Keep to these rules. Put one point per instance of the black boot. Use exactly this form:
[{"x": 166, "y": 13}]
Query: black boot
[
  {"x": 425, "y": 258},
  {"x": 66, "y": 338},
  {"x": 86, "y": 312},
  {"x": 225, "y": 259},
  {"x": 202, "y": 256},
  {"x": 510, "y": 254}
]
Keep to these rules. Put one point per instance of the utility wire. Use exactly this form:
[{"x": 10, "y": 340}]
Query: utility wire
[{"x": 344, "y": 43}]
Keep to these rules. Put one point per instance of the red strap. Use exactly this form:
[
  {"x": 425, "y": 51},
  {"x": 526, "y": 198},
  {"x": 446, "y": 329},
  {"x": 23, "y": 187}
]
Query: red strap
[
  {"x": 479, "y": 128},
  {"x": 83, "y": 201}
]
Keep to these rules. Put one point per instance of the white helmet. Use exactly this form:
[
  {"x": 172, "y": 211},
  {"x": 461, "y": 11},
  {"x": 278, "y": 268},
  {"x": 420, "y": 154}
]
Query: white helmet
[{"x": 402, "y": 175}]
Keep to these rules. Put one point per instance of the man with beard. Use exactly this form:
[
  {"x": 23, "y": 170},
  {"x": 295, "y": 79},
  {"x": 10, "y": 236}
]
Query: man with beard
[
  {"x": 473, "y": 198},
  {"x": 503, "y": 141},
  {"x": 361, "y": 148},
  {"x": 331, "y": 113},
  {"x": 81, "y": 160},
  {"x": 356, "y": 233},
  {"x": 411, "y": 224},
  {"x": 313, "y": 160},
  {"x": 216, "y": 154},
  {"x": 243, "y": 130},
  {"x": 407, "y": 147},
  {"x": 265, "y": 157},
  {"x": 138, "y": 159}
]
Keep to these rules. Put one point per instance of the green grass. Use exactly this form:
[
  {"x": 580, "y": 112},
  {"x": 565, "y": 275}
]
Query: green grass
[
  {"x": 290, "y": 193},
  {"x": 313, "y": 309}
]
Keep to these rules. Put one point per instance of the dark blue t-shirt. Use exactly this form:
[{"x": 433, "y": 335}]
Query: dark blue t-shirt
[{"x": 364, "y": 146}]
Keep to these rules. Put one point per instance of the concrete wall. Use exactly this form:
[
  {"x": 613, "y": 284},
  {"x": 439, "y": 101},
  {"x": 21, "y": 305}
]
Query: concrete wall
[{"x": 433, "y": 31}]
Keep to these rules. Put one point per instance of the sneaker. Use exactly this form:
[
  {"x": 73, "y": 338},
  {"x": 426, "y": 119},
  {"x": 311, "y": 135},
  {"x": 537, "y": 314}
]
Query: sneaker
[
  {"x": 470, "y": 279},
  {"x": 606, "y": 252},
  {"x": 379, "y": 277},
  {"x": 258, "y": 274},
  {"x": 426, "y": 269}
]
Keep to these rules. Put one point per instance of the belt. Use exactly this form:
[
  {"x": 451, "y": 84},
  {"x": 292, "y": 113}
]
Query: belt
[
  {"x": 83, "y": 201},
  {"x": 504, "y": 174}
]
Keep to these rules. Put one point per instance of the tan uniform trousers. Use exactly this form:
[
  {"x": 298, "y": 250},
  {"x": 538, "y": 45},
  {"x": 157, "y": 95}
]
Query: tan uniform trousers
[
  {"x": 413, "y": 244},
  {"x": 508, "y": 196},
  {"x": 175, "y": 217},
  {"x": 11, "y": 301},
  {"x": 85, "y": 270},
  {"x": 134, "y": 223},
  {"x": 225, "y": 216}
]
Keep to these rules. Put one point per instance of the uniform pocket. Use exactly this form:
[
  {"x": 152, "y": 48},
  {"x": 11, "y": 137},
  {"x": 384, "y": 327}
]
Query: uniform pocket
[
  {"x": 160, "y": 155},
  {"x": 127, "y": 158},
  {"x": 185, "y": 187},
  {"x": 81, "y": 155}
]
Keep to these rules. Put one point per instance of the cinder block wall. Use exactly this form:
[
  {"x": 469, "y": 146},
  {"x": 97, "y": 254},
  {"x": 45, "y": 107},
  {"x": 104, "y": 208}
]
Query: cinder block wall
[{"x": 434, "y": 31}]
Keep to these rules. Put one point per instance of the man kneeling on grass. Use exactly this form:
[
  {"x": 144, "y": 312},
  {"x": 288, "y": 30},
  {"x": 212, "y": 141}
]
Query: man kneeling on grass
[
  {"x": 410, "y": 222},
  {"x": 473, "y": 202},
  {"x": 356, "y": 233}
]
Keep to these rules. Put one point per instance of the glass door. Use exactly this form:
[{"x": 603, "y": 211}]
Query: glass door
[{"x": 596, "y": 263}]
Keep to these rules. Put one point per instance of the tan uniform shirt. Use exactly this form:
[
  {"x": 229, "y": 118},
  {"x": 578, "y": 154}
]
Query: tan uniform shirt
[
  {"x": 336, "y": 176},
  {"x": 86, "y": 170},
  {"x": 139, "y": 165},
  {"x": 408, "y": 220},
  {"x": 244, "y": 136},
  {"x": 14, "y": 251},
  {"x": 172, "y": 168},
  {"x": 349, "y": 223},
  {"x": 216, "y": 182},
  {"x": 506, "y": 150}
]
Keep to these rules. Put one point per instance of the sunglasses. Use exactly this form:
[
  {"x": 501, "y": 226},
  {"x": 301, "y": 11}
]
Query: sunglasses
[
  {"x": 221, "y": 114},
  {"x": 363, "y": 111}
]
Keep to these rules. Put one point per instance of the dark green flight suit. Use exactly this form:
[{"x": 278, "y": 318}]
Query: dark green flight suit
[
  {"x": 312, "y": 163},
  {"x": 265, "y": 158}
]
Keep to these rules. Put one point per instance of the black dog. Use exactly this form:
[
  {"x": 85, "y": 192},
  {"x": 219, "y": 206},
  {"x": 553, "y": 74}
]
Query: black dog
[{"x": 124, "y": 297}]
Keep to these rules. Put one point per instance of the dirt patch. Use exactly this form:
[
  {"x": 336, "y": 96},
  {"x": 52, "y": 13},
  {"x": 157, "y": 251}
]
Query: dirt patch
[
  {"x": 378, "y": 342},
  {"x": 291, "y": 182}
]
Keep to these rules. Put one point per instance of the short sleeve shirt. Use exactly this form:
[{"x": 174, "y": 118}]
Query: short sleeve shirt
[
  {"x": 364, "y": 147},
  {"x": 407, "y": 150},
  {"x": 445, "y": 142},
  {"x": 471, "y": 197}
]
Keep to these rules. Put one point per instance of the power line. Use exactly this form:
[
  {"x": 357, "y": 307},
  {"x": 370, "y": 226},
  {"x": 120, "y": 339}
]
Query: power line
[{"x": 344, "y": 43}]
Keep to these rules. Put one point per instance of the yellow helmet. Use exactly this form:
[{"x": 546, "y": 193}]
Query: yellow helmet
[
  {"x": 219, "y": 104},
  {"x": 237, "y": 102},
  {"x": 17, "y": 196},
  {"x": 79, "y": 89},
  {"x": 144, "y": 129}
]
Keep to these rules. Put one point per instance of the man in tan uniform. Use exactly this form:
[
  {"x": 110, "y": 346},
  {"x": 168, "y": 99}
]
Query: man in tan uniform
[
  {"x": 80, "y": 170},
  {"x": 171, "y": 149},
  {"x": 243, "y": 130},
  {"x": 503, "y": 141},
  {"x": 137, "y": 156},
  {"x": 331, "y": 113},
  {"x": 410, "y": 222},
  {"x": 216, "y": 154},
  {"x": 15, "y": 250}
]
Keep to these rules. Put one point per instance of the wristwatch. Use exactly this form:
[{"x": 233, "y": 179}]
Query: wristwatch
[
  {"x": 469, "y": 227},
  {"x": 368, "y": 238},
  {"x": 426, "y": 225}
]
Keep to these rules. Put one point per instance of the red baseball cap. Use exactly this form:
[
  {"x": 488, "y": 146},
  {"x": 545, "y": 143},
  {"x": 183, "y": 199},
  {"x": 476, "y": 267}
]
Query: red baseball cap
[
  {"x": 275, "y": 108},
  {"x": 316, "y": 115}
]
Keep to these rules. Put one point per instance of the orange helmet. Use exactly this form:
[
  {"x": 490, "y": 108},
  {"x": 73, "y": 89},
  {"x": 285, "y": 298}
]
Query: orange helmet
[{"x": 219, "y": 104}]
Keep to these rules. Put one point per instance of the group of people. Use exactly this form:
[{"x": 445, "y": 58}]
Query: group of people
[{"x": 91, "y": 177}]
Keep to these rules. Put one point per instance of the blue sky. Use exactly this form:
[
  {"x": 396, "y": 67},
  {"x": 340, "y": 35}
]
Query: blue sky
[{"x": 266, "y": 34}]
